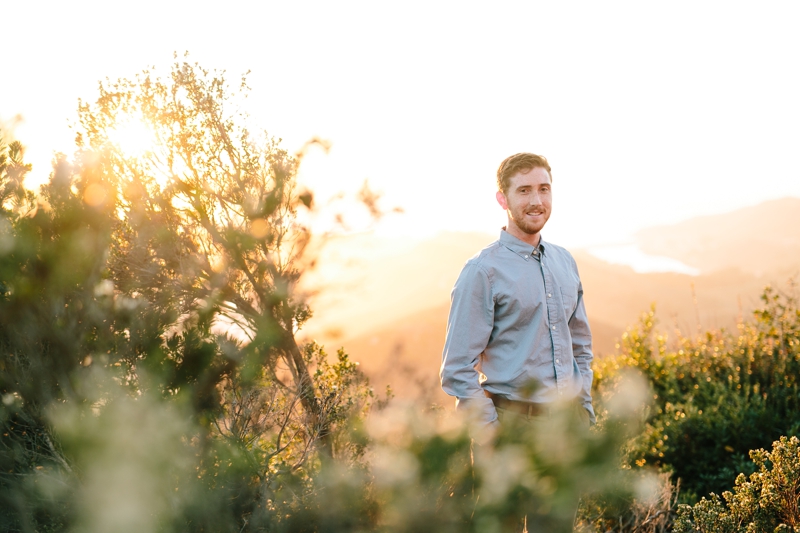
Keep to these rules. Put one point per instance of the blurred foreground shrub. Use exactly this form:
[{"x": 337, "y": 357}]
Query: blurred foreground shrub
[
  {"x": 715, "y": 397},
  {"x": 650, "y": 507},
  {"x": 426, "y": 475}
]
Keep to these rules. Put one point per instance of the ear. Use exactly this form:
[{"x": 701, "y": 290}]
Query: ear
[{"x": 501, "y": 199}]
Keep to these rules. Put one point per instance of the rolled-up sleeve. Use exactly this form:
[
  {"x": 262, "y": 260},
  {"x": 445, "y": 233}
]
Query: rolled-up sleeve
[
  {"x": 469, "y": 328},
  {"x": 582, "y": 351}
]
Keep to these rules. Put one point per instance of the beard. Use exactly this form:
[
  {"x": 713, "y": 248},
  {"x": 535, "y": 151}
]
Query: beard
[{"x": 530, "y": 227}]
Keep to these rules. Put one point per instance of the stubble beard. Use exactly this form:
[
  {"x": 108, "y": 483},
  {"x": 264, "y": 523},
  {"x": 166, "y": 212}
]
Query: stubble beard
[{"x": 528, "y": 227}]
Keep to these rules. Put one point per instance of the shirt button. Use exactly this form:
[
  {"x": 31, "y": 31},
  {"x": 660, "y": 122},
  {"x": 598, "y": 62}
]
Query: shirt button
[
  {"x": 558, "y": 361},
  {"x": 554, "y": 327},
  {"x": 549, "y": 295}
]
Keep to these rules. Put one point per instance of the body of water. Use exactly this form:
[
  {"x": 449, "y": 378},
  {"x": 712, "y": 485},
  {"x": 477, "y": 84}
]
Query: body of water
[{"x": 632, "y": 256}]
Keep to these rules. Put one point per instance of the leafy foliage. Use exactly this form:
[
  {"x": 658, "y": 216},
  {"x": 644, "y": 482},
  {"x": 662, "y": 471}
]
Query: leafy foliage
[
  {"x": 147, "y": 321},
  {"x": 51, "y": 321},
  {"x": 715, "y": 397},
  {"x": 769, "y": 500}
]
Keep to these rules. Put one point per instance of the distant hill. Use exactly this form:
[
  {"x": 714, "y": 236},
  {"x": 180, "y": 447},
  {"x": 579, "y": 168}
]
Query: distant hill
[
  {"x": 366, "y": 282},
  {"x": 406, "y": 353},
  {"x": 386, "y": 301},
  {"x": 758, "y": 239}
]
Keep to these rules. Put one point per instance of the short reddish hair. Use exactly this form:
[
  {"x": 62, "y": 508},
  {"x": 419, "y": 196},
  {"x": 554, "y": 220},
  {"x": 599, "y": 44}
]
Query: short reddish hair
[{"x": 522, "y": 162}]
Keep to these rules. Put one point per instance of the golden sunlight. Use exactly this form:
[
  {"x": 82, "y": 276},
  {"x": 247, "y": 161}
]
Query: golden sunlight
[
  {"x": 133, "y": 137},
  {"x": 136, "y": 139}
]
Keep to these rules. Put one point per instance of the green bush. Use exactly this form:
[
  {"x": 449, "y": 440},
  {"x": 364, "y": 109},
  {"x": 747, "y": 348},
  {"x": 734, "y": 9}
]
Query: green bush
[
  {"x": 714, "y": 397},
  {"x": 769, "y": 500}
]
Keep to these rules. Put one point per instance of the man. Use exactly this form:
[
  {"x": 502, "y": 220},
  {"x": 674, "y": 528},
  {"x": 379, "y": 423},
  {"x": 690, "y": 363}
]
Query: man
[{"x": 517, "y": 315}]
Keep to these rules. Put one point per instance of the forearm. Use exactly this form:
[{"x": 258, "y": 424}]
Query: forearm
[
  {"x": 460, "y": 379},
  {"x": 582, "y": 352},
  {"x": 469, "y": 327}
]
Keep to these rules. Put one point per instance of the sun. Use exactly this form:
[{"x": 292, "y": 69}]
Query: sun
[{"x": 133, "y": 137}]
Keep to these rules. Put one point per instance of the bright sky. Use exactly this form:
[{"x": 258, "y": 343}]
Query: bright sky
[{"x": 649, "y": 112}]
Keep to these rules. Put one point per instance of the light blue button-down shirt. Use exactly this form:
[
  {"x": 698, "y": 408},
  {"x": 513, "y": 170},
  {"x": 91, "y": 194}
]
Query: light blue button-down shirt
[{"x": 517, "y": 317}]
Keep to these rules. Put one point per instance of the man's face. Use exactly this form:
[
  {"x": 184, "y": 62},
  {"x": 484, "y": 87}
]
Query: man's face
[{"x": 528, "y": 203}]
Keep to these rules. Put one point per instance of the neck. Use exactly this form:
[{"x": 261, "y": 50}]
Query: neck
[{"x": 532, "y": 239}]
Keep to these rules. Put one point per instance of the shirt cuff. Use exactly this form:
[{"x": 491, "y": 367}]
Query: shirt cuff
[{"x": 480, "y": 409}]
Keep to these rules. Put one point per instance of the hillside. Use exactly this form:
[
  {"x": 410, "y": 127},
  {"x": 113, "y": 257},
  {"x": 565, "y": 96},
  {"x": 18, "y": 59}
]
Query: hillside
[
  {"x": 366, "y": 282},
  {"x": 758, "y": 239}
]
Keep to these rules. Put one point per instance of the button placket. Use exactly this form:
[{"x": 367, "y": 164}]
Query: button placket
[{"x": 552, "y": 318}]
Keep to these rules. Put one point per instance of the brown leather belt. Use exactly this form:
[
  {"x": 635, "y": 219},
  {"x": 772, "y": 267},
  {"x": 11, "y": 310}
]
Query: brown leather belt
[{"x": 525, "y": 408}]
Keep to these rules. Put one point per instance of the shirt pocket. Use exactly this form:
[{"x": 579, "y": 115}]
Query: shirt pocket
[{"x": 569, "y": 298}]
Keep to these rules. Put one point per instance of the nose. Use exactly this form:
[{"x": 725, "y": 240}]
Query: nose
[{"x": 534, "y": 198}]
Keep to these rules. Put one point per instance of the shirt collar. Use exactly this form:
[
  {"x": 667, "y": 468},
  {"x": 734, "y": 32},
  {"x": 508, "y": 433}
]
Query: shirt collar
[{"x": 521, "y": 248}]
